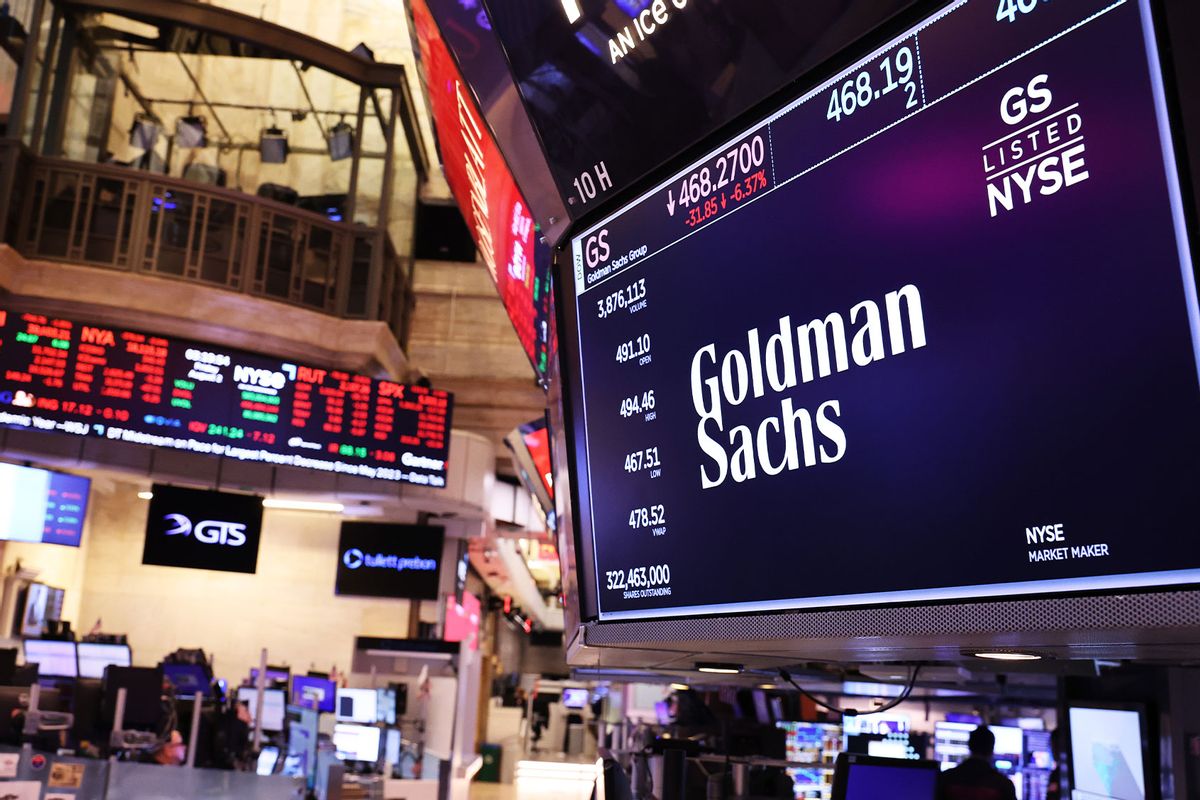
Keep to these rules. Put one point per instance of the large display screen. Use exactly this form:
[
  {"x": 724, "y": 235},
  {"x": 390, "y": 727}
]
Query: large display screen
[
  {"x": 496, "y": 212},
  {"x": 197, "y": 529},
  {"x": 468, "y": 34},
  {"x": 927, "y": 332},
  {"x": 41, "y": 506},
  {"x": 62, "y": 376},
  {"x": 390, "y": 560},
  {"x": 530, "y": 447}
]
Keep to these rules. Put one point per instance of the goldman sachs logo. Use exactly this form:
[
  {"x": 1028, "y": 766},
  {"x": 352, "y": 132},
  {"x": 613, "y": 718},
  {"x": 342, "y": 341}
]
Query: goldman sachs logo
[
  {"x": 355, "y": 559},
  {"x": 230, "y": 534}
]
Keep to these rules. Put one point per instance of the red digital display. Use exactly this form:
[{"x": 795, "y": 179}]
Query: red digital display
[
  {"x": 538, "y": 443},
  {"x": 62, "y": 376},
  {"x": 496, "y": 212}
]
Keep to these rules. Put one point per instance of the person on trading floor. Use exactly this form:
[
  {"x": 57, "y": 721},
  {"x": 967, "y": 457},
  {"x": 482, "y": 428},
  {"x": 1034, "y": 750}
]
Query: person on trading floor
[{"x": 976, "y": 778}]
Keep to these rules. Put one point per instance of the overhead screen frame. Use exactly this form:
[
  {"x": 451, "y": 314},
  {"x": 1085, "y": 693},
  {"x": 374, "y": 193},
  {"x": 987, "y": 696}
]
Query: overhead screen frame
[{"x": 1090, "y": 623}]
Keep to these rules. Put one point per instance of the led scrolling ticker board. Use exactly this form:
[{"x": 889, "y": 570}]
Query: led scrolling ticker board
[
  {"x": 924, "y": 333},
  {"x": 73, "y": 378}
]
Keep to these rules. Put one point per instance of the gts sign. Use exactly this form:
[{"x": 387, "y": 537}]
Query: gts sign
[{"x": 229, "y": 534}]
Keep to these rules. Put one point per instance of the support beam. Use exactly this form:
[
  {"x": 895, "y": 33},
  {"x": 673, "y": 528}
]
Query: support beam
[
  {"x": 311, "y": 105},
  {"x": 204, "y": 98},
  {"x": 352, "y": 193},
  {"x": 39, "y": 114},
  {"x": 60, "y": 94},
  {"x": 24, "y": 84}
]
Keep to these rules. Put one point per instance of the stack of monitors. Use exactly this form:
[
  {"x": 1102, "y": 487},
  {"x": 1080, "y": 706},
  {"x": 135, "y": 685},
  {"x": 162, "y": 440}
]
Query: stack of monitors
[{"x": 815, "y": 744}]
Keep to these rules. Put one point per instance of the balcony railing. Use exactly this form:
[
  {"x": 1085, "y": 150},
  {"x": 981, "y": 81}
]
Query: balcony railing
[{"x": 125, "y": 219}]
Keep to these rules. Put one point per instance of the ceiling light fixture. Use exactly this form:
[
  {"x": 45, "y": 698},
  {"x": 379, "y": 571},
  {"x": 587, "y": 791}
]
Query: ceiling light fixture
[
  {"x": 1006, "y": 655},
  {"x": 303, "y": 505},
  {"x": 679, "y": 687},
  {"x": 573, "y": 10},
  {"x": 273, "y": 146},
  {"x": 341, "y": 142},
  {"x": 145, "y": 495},
  {"x": 719, "y": 669}
]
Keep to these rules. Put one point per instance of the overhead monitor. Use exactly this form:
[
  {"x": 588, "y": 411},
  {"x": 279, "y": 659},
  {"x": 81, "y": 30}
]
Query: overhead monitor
[
  {"x": 94, "y": 657},
  {"x": 54, "y": 659},
  {"x": 389, "y": 560},
  {"x": 1107, "y": 753},
  {"x": 54, "y": 603},
  {"x": 315, "y": 693},
  {"x": 37, "y": 505},
  {"x": 197, "y": 529},
  {"x": 357, "y": 742},
  {"x": 357, "y": 705},
  {"x": 274, "y": 706},
  {"x": 97, "y": 381},
  {"x": 881, "y": 325},
  {"x": 496, "y": 211},
  {"x": 529, "y": 445},
  {"x": 35, "y": 610},
  {"x": 858, "y": 777},
  {"x": 575, "y": 698}
]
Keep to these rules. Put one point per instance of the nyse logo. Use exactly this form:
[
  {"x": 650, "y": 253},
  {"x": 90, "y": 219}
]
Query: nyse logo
[
  {"x": 230, "y": 534},
  {"x": 262, "y": 378}
]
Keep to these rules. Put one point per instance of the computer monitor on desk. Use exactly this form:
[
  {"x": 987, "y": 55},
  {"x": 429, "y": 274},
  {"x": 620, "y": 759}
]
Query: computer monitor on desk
[
  {"x": 274, "y": 675},
  {"x": 274, "y": 706},
  {"x": 143, "y": 709},
  {"x": 188, "y": 679},
  {"x": 312, "y": 692},
  {"x": 859, "y": 777},
  {"x": 358, "y": 743},
  {"x": 54, "y": 659},
  {"x": 357, "y": 705},
  {"x": 93, "y": 658}
]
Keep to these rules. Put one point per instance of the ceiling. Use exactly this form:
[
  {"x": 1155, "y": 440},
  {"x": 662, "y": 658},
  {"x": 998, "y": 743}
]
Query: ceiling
[{"x": 463, "y": 341}]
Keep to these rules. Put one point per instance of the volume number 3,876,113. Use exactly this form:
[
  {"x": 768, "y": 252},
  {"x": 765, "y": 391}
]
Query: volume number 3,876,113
[{"x": 631, "y": 295}]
